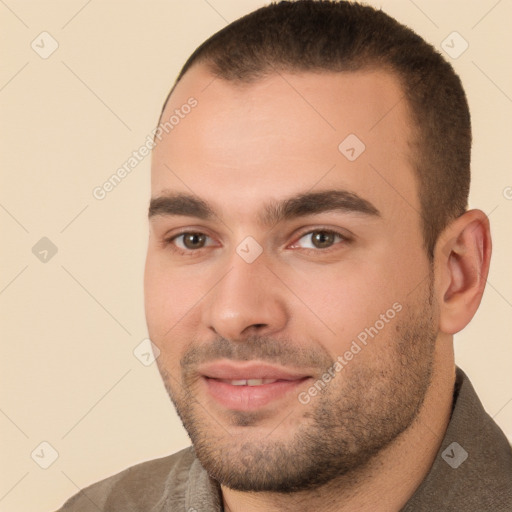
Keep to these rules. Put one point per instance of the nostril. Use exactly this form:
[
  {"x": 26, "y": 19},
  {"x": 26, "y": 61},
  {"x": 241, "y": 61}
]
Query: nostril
[{"x": 253, "y": 328}]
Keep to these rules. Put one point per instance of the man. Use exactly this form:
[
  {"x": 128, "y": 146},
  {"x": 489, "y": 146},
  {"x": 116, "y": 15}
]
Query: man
[{"x": 311, "y": 256}]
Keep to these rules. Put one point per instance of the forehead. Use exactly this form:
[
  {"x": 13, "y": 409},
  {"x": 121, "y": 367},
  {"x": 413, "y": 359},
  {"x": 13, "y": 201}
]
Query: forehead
[{"x": 285, "y": 134}]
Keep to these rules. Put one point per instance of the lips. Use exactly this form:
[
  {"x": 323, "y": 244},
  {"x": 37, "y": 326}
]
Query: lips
[
  {"x": 248, "y": 386},
  {"x": 227, "y": 370}
]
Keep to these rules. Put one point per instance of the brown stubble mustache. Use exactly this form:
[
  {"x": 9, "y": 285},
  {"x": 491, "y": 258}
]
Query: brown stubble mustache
[
  {"x": 312, "y": 360},
  {"x": 265, "y": 349}
]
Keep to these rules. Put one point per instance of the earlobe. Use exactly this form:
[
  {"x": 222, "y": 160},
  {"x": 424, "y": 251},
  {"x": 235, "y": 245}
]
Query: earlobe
[{"x": 462, "y": 259}]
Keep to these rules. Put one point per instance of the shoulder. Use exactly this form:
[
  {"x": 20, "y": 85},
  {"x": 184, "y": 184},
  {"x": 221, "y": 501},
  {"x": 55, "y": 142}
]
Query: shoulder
[
  {"x": 473, "y": 468},
  {"x": 140, "y": 487}
]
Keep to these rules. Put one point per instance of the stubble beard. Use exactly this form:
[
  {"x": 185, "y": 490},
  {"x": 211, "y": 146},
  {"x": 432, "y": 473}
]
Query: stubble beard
[{"x": 366, "y": 407}]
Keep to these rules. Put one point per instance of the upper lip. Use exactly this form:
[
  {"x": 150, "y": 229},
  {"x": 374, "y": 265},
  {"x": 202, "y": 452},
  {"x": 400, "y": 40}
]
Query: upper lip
[{"x": 225, "y": 370}]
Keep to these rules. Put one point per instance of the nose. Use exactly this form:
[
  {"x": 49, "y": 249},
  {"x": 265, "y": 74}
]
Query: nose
[{"x": 248, "y": 300}]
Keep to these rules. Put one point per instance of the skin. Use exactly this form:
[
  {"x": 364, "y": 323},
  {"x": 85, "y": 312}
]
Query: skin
[{"x": 243, "y": 145}]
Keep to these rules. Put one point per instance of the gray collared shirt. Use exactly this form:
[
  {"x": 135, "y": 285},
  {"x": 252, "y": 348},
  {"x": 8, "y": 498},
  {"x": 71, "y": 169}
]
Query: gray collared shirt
[{"x": 472, "y": 472}]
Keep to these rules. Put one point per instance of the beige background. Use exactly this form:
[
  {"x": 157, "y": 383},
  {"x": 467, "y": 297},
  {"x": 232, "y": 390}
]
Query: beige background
[{"x": 69, "y": 326}]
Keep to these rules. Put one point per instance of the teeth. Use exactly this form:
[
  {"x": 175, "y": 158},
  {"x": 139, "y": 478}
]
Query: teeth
[
  {"x": 259, "y": 382},
  {"x": 251, "y": 382},
  {"x": 238, "y": 382}
]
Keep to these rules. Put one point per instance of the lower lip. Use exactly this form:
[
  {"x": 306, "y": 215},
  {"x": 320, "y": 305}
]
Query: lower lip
[{"x": 250, "y": 398}]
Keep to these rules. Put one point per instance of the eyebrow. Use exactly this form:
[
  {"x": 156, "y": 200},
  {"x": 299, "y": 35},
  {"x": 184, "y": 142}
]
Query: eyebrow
[{"x": 300, "y": 205}]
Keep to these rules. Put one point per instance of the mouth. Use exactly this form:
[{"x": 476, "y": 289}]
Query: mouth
[
  {"x": 248, "y": 382},
  {"x": 249, "y": 386}
]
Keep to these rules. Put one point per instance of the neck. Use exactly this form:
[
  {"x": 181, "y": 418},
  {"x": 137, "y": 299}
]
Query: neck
[{"x": 389, "y": 480}]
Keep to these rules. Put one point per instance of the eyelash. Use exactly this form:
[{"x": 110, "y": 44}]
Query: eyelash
[{"x": 168, "y": 242}]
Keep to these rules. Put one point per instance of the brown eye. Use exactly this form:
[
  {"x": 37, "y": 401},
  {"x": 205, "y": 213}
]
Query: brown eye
[
  {"x": 320, "y": 239},
  {"x": 193, "y": 240},
  {"x": 188, "y": 242},
  {"x": 323, "y": 239}
]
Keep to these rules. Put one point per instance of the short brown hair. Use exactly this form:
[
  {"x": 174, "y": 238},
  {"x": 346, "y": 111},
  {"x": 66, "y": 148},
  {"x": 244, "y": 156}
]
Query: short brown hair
[{"x": 324, "y": 35}]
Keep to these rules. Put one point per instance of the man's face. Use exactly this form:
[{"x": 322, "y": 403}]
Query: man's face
[{"x": 296, "y": 341}]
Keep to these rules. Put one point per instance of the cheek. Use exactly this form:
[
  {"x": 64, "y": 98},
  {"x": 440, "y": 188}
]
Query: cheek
[
  {"x": 154, "y": 287},
  {"x": 342, "y": 302},
  {"x": 165, "y": 297},
  {"x": 163, "y": 311},
  {"x": 169, "y": 291},
  {"x": 172, "y": 305}
]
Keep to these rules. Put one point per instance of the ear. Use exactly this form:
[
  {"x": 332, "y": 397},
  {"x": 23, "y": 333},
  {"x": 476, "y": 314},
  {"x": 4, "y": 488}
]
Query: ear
[{"x": 461, "y": 258}]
